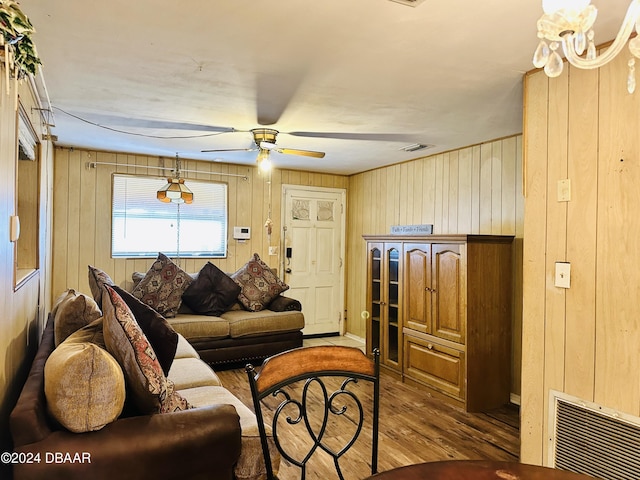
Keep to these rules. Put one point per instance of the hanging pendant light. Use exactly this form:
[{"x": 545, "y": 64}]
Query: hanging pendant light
[{"x": 175, "y": 191}]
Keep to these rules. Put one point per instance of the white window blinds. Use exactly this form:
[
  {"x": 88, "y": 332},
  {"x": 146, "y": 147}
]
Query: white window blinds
[{"x": 142, "y": 226}]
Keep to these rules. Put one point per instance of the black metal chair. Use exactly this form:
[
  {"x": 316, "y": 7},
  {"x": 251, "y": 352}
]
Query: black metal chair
[{"x": 300, "y": 380}]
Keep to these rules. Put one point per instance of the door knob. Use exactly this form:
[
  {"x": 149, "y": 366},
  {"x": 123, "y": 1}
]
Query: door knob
[{"x": 288, "y": 270}]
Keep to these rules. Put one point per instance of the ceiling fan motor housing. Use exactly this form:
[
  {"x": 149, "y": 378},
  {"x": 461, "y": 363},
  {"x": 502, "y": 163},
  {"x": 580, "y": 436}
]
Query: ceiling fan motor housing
[{"x": 264, "y": 135}]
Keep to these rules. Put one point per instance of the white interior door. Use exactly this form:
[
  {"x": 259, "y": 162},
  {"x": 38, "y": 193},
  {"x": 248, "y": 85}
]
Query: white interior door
[{"x": 313, "y": 253}]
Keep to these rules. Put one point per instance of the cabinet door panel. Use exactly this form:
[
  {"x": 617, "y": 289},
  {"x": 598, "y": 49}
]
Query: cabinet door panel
[
  {"x": 446, "y": 282},
  {"x": 374, "y": 296},
  {"x": 391, "y": 339},
  {"x": 440, "y": 367},
  {"x": 417, "y": 285}
]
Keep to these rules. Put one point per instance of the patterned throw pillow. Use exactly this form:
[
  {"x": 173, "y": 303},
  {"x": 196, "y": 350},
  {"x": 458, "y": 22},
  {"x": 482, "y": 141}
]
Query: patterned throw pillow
[
  {"x": 162, "y": 287},
  {"x": 98, "y": 278},
  {"x": 212, "y": 292},
  {"x": 152, "y": 392},
  {"x": 259, "y": 285},
  {"x": 159, "y": 332}
]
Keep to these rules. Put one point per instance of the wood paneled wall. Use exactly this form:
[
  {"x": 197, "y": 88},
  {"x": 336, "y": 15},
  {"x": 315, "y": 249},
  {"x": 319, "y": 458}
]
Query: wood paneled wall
[
  {"x": 582, "y": 341},
  {"x": 475, "y": 190},
  {"x": 23, "y": 309},
  {"x": 82, "y": 212}
]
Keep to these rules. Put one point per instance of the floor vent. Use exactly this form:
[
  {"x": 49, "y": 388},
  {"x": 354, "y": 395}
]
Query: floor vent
[{"x": 591, "y": 439}]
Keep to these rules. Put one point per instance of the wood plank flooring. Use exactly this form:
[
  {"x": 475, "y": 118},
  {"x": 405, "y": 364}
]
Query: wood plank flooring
[{"x": 414, "y": 428}]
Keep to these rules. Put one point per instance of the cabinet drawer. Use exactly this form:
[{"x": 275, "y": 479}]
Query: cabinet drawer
[{"x": 438, "y": 366}]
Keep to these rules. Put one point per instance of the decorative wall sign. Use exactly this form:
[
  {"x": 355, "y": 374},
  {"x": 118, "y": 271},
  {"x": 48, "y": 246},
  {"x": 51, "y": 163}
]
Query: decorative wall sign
[{"x": 411, "y": 229}]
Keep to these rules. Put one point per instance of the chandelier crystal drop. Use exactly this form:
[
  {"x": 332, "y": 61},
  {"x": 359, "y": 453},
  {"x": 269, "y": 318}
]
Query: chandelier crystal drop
[{"x": 569, "y": 23}]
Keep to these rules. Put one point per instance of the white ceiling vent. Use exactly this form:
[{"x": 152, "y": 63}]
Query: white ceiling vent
[
  {"x": 415, "y": 147},
  {"x": 411, "y": 3},
  {"x": 592, "y": 439}
]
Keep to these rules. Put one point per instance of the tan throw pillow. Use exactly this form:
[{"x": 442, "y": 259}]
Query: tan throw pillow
[
  {"x": 162, "y": 286},
  {"x": 83, "y": 384},
  {"x": 151, "y": 391},
  {"x": 98, "y": 278},
  {"x": 73, "y": 312},
  {"x": 259, "y": 285}
]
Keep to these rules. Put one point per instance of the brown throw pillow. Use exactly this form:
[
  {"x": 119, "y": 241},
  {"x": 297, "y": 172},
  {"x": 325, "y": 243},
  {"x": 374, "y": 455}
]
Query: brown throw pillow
[
  {"x": 73, "y": 312},
  {"x": 152, "y": 392},
  {"x": 97, "y": 278},
  {"x": 259, "y": 285},
  {"x": 161, "y": 335},
  {"x": 162, "y": 286},
  {"x": 212, "y": 292}
]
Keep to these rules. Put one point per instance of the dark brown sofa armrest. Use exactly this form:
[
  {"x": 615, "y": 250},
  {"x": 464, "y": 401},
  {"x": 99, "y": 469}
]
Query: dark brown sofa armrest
[
  {"x": 284, "y": 304},
  {"x": 198, "y": 443}
]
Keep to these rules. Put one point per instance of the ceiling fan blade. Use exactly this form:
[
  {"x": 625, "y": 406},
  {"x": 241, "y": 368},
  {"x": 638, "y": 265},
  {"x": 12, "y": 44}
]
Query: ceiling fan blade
[
  {"x": 230, "y": 150},
  {"x": 274, "y": 91},
  {"x": 306, "y": 153},
  {"x": 372, "y": 137},
  {"x": 112, "y": 120}
]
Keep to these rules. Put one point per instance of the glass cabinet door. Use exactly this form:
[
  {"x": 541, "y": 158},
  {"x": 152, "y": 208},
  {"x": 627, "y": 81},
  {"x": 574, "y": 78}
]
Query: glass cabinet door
[
  {"x": 376, "y": 299},
  {"x": 392, "y": 305}
]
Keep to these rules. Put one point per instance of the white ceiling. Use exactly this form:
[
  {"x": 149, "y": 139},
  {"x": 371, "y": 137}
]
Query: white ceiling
[{"x": 374, "y": 75}]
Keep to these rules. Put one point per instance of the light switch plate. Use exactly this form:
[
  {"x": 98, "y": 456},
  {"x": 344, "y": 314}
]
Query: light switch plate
[
  {"x": 563, "y": 275},
  {"x": 273, "y": 250},
  {"x": 564, "y": 190}
]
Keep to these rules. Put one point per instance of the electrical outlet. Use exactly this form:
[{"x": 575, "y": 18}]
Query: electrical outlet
[{"x": 273, "y": 250}]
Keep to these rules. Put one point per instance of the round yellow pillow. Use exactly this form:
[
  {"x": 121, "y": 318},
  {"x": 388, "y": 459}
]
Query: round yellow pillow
[{"x": 84, "y": 385}]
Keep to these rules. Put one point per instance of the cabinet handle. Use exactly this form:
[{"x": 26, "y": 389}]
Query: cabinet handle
[{"x": 430, "y": 346}]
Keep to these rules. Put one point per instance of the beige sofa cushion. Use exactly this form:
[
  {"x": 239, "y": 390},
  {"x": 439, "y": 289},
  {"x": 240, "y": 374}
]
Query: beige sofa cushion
[
  {"x": 244, "y": 324},
  {"x": 84, "y": 385},
  {"x": 192, "y": 372},
  {"x": 250, "y": 464},
  {"x": 185, "y": 349},
  {"x": 200, "y": 327}
]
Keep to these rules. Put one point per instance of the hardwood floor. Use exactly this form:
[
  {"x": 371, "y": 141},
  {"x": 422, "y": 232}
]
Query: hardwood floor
[{"x": 414, "y": 428}]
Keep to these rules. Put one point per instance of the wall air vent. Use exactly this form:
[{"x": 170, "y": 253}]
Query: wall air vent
[
  {"x": 416, "y": 146},
  {"x": 591, "y": 439},
  {"x": 411, "y": 3}
]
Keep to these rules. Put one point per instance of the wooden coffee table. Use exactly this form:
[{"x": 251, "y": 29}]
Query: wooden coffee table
[{"x": 476, "y": 470}]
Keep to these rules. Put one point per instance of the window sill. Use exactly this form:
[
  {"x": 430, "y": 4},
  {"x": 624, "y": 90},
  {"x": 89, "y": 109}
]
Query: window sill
[{"x": 23, "y": 275}]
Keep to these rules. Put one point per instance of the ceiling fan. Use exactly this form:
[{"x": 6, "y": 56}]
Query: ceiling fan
[{"x": 265, "y": 141}]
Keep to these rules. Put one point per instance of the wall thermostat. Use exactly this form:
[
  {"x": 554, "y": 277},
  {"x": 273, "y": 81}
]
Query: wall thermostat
[{"x": 242, "y": 233}]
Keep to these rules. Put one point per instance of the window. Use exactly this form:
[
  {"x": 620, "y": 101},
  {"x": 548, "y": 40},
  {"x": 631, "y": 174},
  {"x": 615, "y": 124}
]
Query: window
[
  {"x": 25, "y": 225},
  {"x": 142, "y": 226}
]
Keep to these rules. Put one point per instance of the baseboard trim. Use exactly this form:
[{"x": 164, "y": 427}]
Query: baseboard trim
[{"x": 515, "y": 399}]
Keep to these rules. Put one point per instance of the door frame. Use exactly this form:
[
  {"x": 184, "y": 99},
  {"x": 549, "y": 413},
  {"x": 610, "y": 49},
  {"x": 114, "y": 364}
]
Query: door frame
[{"x": 343, "y": 238}]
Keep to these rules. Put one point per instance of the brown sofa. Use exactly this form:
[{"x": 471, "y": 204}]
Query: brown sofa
[
  {"x": 235, "y": 336},
  {"x": 239, "y": 336},
  {"x": 218, "y": 439}
]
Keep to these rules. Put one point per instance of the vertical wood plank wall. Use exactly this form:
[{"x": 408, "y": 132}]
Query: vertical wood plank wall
[
  {"x": 475, "y": 190},
  {"x": 582, "y": 341},
  {"x": 22, "y": 309},
  {"x": 82, "y": 212}
]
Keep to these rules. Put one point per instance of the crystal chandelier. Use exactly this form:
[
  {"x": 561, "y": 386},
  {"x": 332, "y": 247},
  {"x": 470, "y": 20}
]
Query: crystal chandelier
[
  {"x": 570, "y": 22},
  {"x": 175, "y": 191}
]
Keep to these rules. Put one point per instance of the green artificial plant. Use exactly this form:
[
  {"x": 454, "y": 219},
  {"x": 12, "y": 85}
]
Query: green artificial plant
[{"x": 16, "y": 31}]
